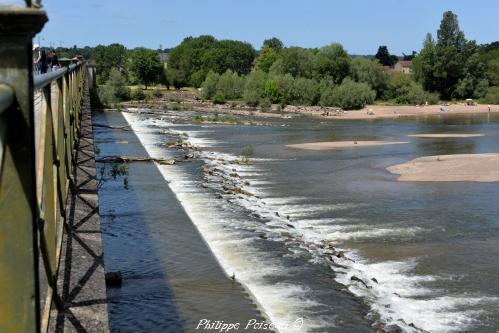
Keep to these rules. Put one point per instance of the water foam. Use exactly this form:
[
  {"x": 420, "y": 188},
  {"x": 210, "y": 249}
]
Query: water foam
[{"x": 393, "y": 290}]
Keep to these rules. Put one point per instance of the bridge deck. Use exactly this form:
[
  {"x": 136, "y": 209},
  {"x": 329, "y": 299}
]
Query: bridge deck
[{"x": 81, "y": 283}]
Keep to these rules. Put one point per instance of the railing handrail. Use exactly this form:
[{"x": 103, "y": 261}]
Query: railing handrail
[
  {"x": 6, "y": 97},
  {"x": 41, "y": 80}
]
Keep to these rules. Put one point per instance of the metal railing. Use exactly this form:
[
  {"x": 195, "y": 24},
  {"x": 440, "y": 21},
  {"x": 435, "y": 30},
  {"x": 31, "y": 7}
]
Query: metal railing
[
  {"x": 57, "y": 111},
  {"x": 37, "y": 167}
]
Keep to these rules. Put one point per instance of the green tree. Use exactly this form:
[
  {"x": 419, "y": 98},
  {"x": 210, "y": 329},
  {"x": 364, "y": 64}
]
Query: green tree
[
  {"x": 210, "y": 84},
  {"x": 370, "y": 72},
  {"x": 332, "y": 62},
  {"x": 404, "y": 90},
  {"x": 195, "y": 57},
  {"x": 230, "y": 86},
  {"x": 274, "y": 43},
  {"x": 145, "y": 65},
  {"x": 266, "y": 58},
  {"x": 108, "y": 57},
  {"x": 384, "y": 57},
  {"x": 489, "y": 55},
  {"x": 229, "y": 54},
  {"x": 272, "y": 91},
  {"x": 451, "y": 66},
  {"x": 298, "y": 61},
  {"x": 304, "y": 92},
  {"x": 254, "y": 88}
]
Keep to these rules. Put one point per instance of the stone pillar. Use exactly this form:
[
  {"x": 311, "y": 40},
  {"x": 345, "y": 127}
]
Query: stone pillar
[
  {"x": 91, "y": 72},
  {"x": 19, "y": 290}
]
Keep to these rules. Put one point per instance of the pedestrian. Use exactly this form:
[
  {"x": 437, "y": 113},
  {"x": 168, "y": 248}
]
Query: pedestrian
[
  {"x": 41, "y": 58},
  {"x": 489, "y": 108},
  {"x": 53, "y": 60}
]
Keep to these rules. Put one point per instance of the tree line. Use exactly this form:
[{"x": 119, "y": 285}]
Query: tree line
[{"x": 447, "y": 67}]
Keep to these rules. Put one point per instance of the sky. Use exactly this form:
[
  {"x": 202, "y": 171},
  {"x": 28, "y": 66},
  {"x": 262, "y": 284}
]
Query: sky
[{"x": 359, "y": 25}]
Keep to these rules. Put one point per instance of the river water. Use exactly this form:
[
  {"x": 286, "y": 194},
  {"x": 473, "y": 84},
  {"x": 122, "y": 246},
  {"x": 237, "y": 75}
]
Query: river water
[{"x": 417, "y": 256}]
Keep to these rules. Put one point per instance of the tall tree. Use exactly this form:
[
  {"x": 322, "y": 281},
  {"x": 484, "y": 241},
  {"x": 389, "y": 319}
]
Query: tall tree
[
  {"x": 266, "y": 58},
  {"x": 332, "y": 62},
  {"x": 451, "y": 66},
  {"x": 107, "y": 57},
  {"x": 384, "y": 56},
  {"x": 274, "y": 43},
  {"x": 145, "y": 65}
]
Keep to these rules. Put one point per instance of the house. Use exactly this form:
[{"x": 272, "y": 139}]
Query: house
[{"x": 403, "y": 66}]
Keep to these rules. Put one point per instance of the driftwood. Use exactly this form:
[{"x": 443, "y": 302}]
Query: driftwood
[
  {"x": 127, "y": 159},
  {"x": 123, "y": 128}
]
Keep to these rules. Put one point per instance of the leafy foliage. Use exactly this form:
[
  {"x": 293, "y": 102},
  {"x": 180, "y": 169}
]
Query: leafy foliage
[
  {"x": 384, "y": 57},
  {"x": 348, "y": 95},
  {"x": 370, "y": 72},
  {"x": 332, "y": 62},
  {"x": 115, "y": 90},
  {"x": 451, "y": 65},
  {"x": 145, "y": 65},
  {"x": 254, "y": 88},
  {"x": 108, "y": 57},
  {"x": 195, "y": 57},
  {"x": 266, "y": 58}
]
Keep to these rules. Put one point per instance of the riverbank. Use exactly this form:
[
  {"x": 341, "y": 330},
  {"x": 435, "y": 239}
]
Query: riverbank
[{"x": 331, "y": 113}]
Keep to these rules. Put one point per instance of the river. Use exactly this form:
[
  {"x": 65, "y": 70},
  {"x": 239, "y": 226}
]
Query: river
[{"x": 415, "y": 256}]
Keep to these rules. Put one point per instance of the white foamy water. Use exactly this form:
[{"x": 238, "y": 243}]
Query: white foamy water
[
  {"x": 393, "y": 290},
  {"x": 282, "y": 303}
]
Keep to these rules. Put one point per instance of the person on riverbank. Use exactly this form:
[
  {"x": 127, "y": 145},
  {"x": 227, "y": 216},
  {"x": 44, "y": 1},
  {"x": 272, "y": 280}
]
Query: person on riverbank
[
  {"x": 489, "y": 108},
  {"x": 41, "y": 59}
]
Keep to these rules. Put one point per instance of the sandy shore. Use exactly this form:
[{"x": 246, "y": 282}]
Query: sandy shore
[
  {"x": 445, "y": 135},
  {"x": 450, "y": 168},
  {"x": 381, "y": 111},
  {"x": 342, "y": 144},
  {"x": 390, "y": 111}
]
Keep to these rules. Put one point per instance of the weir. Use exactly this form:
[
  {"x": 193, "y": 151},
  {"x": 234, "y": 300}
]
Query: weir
[{"x": 51, "y": 267}]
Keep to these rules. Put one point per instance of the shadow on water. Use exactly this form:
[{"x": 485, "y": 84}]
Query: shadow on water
[
  {"x": 171, "y": 278},
  {"x": 145, "y": 302}
]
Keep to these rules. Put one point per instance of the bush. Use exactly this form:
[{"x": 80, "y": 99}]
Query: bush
[
  {"x": 219, "y": 98},
  {"x": 118, "y": 84},
  {"x": 303, "y": 92},
  {"x": 272, "y": 92},
  {"x": 265, "y": 105},
  {"x": 106, "y": 95},
  {"x": 492, "y": 96},
  {"x": 370, "y": 72},
  {"x": 349, "y": 95},
  {"x": 230, "y": 86},
  {"x": 138, "y": 94},
  {"x": 115, "y": 90},
  {"x": 404, "y": 90},
  {"x": 254, "y": 88},
  {"x": 209, "y": 86}
]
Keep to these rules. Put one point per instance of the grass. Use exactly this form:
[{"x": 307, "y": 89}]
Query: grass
[{"x": 216, "y": 119}]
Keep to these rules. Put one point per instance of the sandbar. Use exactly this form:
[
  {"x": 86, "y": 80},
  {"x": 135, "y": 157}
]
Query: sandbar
[
  {"x": 445, "y": 135},
  {"x": 342, "y": 144},
  {"x": 449, "y": 168}
]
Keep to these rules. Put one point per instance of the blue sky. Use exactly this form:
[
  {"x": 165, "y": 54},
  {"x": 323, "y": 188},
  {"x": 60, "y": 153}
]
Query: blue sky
[{"x": 359, "y": 25}]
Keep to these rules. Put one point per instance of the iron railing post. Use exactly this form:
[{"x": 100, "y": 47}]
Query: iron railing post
[{"x": 19, "y": 287}]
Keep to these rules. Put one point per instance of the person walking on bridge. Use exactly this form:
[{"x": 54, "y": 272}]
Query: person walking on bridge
[{"x": 41, "y": 59}]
